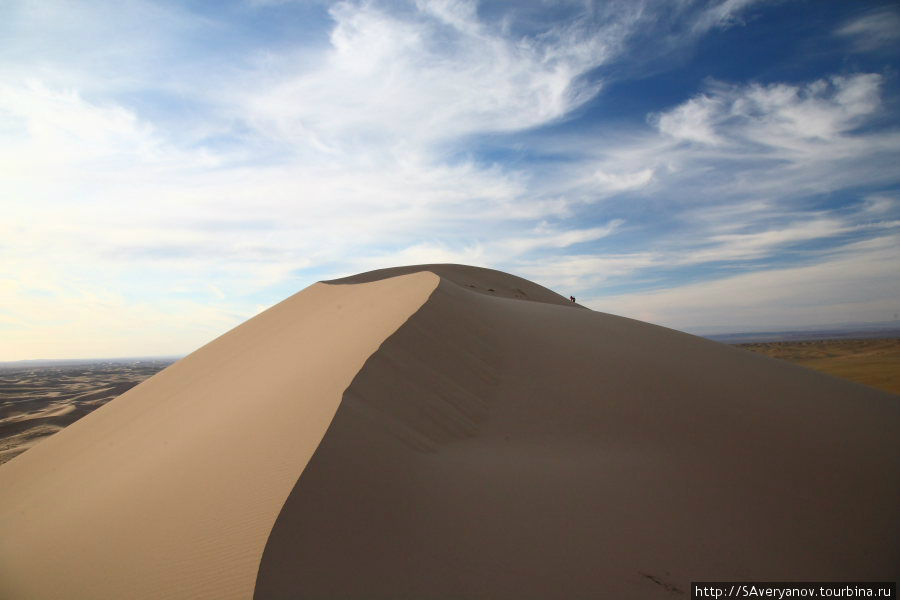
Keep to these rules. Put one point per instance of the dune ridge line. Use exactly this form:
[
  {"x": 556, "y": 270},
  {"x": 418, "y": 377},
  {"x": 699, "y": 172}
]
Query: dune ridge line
[
  {"x": 495, "y": 447},
  {"x": 170, "y": 490}
]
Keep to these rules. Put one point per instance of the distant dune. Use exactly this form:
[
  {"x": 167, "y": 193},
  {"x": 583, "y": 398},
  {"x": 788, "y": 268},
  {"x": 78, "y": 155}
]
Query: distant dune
[
  {"x": 444, "y": 431},
  {"x": 40, "y": 397}
]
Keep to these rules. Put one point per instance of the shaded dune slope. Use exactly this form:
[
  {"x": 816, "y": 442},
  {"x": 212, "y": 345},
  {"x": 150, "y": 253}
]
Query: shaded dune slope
[
  {"x": 495, "y": 448},
  {"x": 444, "y": 431}
]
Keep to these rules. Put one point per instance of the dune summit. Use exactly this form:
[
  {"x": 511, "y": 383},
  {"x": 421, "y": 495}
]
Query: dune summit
[{"x": 444, "y": 431}]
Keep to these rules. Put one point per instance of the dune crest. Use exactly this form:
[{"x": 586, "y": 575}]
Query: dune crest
[
  {"x": 460, "y": 433},
  {"x": 170, "y": 490}
]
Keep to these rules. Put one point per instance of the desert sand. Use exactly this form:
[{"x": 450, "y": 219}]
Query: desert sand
[
  {"x": 872, "y": 361},
  {"x": 444, "y": 431},
  {"x": 38, "y": 401}
]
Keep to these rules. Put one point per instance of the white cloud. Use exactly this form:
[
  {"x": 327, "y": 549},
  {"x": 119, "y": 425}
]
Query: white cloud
[
  {"x": 188, "y": 173},
  {"x": 619, "y": 182},
  {"x": 726, "y": 242},
  {"x": 879, "y": 204},
  {"x": 580, "y": 273},
  {"x": 96, "y": 187},
  {"x": 722, "y": 15},
  {"x": 99, "y": 324},
  {"x": 857, "y": 284},
  {"x": 693, "y": 121},
  {"x": 742, "y": 145},
  {"x": 488, "y": 250},
  {"x": 406, "y": 79},
  {"x": 782, "y": 116},
  {"x": 873, "y": 30},
  {"x": 56, "y": 131},
  {"x": 549, "y": 237},
  {"x": 744, "y": 246}
]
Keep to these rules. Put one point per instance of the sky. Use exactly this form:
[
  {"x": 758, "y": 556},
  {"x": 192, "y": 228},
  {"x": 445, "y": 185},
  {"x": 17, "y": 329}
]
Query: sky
[{"x": 169, "y": 169}]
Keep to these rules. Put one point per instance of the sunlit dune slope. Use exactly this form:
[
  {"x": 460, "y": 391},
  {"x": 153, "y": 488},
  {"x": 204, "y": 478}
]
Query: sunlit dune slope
[
  {"x": 170, "y": 490},
  {"x": 445, "y": 431}
]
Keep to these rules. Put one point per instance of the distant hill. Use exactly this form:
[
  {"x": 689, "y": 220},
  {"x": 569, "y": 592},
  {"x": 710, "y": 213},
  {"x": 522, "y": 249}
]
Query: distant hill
[
  {"x": 75, "y": 362},
  {"x": 878, "y": 330}
]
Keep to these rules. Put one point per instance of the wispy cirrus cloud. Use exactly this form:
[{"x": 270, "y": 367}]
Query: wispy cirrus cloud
[
  {"x": 783, "y": 117},
  {"x": 402, "y": 81},
  {"x": 875, "y": 29},
  {"x": 743, "y": 176},
  {"x": 854, "y": 283},
  {"x": 212, "y": 162}
]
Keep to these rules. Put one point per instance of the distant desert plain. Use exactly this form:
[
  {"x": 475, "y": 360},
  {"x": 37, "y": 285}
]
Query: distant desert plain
[
  {"x": 37, "y": 400},
  {"x": 872, "y": 362}
]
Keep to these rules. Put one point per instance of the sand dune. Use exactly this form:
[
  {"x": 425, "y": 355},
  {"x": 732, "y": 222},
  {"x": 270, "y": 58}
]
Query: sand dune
[{"x": 450, "y": 432}]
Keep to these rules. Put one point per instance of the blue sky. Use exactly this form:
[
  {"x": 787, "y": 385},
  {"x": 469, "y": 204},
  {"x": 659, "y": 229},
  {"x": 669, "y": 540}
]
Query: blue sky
[{"x": 169, "y": 169}]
